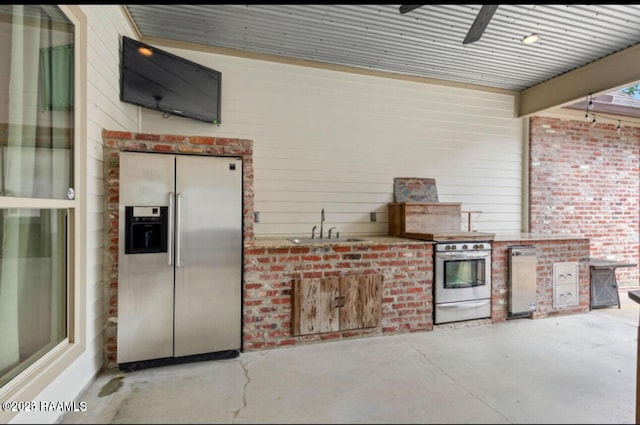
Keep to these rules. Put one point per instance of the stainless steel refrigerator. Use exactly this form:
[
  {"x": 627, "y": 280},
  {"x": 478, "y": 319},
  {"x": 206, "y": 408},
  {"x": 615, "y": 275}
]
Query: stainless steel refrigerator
[{"x": 179, "y": 257}]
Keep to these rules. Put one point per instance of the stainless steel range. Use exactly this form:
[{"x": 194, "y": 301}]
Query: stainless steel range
[{"x": 462, "y": 283}]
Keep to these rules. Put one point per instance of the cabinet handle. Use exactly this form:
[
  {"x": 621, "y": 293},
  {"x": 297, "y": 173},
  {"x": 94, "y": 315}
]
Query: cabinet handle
[{"x": 339, "y": 302}]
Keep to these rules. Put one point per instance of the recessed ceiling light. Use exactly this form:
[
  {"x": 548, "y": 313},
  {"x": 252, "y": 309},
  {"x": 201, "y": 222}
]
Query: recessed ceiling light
[{"x": 530, "y": 39}]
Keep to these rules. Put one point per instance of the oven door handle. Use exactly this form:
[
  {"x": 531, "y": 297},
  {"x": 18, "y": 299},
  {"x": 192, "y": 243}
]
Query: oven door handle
[
  {"x": 472, "y": 255},
  {"x": 464, "y": 304}
]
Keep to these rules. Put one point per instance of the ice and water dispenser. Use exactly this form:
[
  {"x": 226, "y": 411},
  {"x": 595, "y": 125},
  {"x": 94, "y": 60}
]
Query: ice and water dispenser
[{"x": 145, "y": 230}]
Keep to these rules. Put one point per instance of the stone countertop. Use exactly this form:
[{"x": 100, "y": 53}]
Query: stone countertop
[
  {"x": 266, "y": 242},
  {"x": 521, "y": 236},
  {"x": 603, "y": 263},
  {"x": 635, "y": 296}
]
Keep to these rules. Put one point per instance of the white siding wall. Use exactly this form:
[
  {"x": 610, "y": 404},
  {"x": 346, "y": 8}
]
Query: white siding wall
[
  {"x": 104, "y": 110},
  {"x": 335, "y": 140}
]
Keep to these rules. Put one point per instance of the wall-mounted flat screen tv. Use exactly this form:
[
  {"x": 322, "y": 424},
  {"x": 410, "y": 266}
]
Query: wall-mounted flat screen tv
[{"x": 159, "y": 80}]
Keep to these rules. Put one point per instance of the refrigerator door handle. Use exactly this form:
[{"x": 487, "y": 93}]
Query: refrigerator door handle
[
  {"x": 170, "y": 231},
  {"x": 177, "y": 253}
]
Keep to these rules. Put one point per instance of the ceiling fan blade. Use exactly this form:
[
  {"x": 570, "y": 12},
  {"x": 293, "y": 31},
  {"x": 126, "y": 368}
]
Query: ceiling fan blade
[
  {"x": 480, "y": 23},
  {"x": 404, "y": 8}
]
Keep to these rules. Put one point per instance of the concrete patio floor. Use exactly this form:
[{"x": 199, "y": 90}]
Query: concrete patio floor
[{"x": 567, "y": 369}]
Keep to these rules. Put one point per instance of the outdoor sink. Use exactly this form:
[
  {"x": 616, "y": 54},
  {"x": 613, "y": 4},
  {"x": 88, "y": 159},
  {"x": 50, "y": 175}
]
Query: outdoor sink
[{"x": 301, "y": 241}]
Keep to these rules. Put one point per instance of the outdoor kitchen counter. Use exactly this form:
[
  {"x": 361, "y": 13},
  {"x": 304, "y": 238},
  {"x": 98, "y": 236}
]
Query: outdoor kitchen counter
[
  {"x": 273, "y": 266},
  {"x": 388, "y": 276},
  {"x": 553, "y": 252}
]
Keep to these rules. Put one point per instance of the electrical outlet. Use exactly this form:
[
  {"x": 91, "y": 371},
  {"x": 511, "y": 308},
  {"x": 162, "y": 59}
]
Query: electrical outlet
[{"x": 372, "y": 217}]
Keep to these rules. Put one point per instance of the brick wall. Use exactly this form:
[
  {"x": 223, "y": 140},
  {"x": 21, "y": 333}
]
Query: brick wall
[
  {"x": 585, "y": 180},
  {"x": 548, "y": 252},
  {"x": 406, "y": 269}
]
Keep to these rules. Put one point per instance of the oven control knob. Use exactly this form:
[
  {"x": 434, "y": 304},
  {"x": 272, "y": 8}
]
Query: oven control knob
[{"x": 464, "y": 246}]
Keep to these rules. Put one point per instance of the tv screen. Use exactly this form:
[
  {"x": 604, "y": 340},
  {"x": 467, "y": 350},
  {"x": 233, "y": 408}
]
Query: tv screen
[{"x": 159, "y": 80}]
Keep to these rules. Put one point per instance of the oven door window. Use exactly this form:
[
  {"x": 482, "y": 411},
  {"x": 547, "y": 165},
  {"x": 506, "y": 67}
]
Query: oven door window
[{"x": 465, "y": 273}]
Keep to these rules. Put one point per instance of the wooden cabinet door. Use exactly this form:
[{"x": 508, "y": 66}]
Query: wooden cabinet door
[
  {"x": 315, "y": 303},
  {"x": 361, "y": 301}
]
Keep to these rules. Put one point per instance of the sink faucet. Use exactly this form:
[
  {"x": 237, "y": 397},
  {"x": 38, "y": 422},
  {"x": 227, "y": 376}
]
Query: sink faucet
[
  {"x": 313, "y": 232},
  {"x": 330, "y": 232},
  {"x": 321, "y": 223}
]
